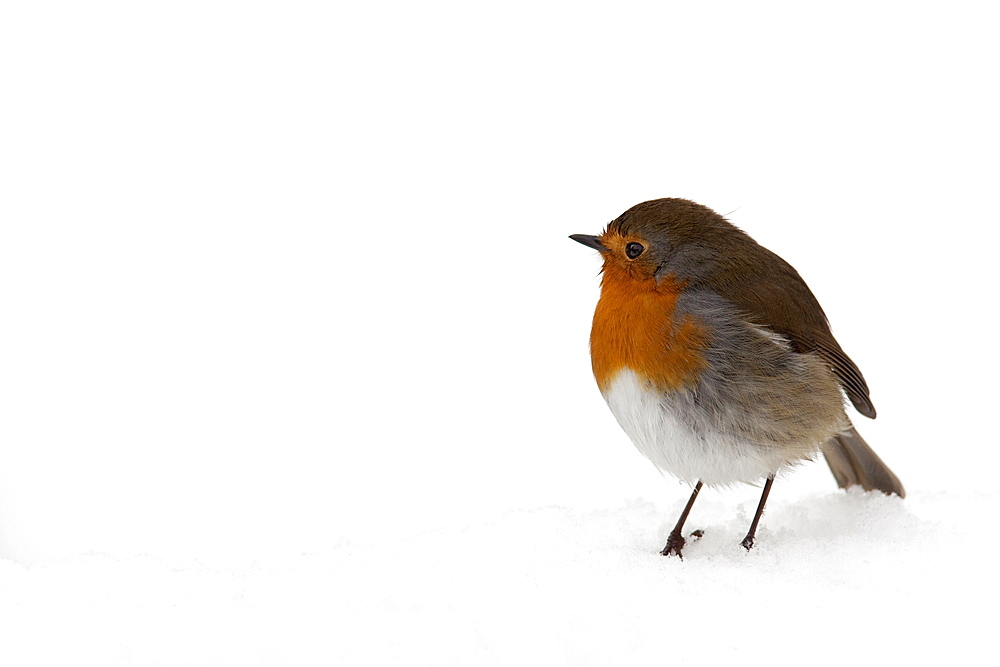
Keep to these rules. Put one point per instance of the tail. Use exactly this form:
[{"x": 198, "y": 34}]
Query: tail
[{"x": 853, "y": 462}]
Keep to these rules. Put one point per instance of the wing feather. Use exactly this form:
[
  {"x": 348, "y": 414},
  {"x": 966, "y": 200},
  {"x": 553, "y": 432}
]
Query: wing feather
[{"x": 773, "y": 295}]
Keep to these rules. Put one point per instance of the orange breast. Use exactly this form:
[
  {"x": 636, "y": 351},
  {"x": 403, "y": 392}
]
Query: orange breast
[{"x": 636, "y": 327}]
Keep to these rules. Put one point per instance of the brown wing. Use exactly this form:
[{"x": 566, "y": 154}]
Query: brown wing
[{"x": 777, "y": 298}]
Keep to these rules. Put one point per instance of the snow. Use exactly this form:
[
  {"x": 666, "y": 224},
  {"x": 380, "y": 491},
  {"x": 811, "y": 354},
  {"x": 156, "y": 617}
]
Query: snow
[
  {"x": 833, "y": 575},
  {"x": 295, "y": 346}
]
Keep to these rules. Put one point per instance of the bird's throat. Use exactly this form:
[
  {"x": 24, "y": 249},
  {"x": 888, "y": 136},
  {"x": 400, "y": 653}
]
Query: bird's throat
[{"x": 637, "y": 326}]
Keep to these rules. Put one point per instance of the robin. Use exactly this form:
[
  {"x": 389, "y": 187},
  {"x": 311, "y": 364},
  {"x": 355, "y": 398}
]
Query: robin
[{"x": 717, "y": 360}]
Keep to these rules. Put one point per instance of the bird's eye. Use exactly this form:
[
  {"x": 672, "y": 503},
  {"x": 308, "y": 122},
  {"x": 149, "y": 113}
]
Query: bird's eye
[{"x": 633, "y": 250}]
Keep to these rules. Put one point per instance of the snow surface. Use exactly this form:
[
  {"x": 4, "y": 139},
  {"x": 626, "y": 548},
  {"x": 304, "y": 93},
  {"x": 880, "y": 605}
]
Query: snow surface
[
  {"x": 295, "y": 365},
  {"x": 833, "y": 576}
]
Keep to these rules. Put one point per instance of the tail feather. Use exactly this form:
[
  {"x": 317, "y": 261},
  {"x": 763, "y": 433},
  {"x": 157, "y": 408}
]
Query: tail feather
[{"x": 854, "y": 463}]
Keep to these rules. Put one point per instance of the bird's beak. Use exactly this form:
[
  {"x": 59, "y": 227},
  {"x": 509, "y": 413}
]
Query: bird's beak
[{"x": 589, "y": 241}]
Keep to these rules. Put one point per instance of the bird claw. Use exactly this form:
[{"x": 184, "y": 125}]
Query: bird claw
[{"x": 674, "y": 545}]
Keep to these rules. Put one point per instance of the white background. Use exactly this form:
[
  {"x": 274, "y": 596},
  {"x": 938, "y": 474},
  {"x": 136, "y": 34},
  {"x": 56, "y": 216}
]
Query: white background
[{"x": 285, "y": 286}]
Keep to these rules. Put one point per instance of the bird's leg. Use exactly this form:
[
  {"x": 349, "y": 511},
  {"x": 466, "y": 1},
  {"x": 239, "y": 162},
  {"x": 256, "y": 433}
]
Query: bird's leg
[
  {"x": 747, "y": 542},
  {"x": 675, "y": 542}
]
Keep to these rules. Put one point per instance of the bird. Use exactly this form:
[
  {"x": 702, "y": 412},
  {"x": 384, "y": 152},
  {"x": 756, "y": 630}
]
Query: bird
[{"x": 717, "y": 360}]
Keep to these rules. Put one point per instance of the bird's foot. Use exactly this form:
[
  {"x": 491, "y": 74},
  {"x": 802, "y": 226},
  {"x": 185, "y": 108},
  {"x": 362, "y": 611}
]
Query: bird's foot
[{"x": 676, "y": 542}]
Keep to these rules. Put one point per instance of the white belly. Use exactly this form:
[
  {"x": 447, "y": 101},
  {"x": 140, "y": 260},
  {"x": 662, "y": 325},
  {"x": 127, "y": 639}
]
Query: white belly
[{"x": 684, "y": 445}]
